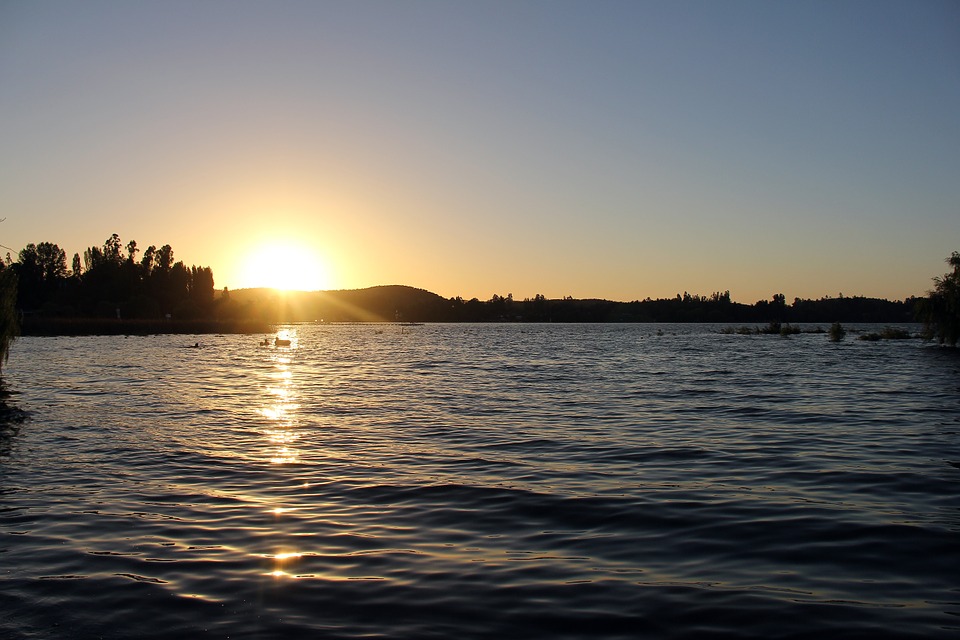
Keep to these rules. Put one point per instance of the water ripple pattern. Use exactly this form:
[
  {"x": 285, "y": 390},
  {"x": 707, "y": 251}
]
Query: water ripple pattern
[{"x": 481, "y": 481}]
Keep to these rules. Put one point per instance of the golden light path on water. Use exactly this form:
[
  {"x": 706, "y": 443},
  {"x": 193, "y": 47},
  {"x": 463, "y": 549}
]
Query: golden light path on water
[
  {"x": 281, "y": 408},
  {"x": 281, "y": 412}
]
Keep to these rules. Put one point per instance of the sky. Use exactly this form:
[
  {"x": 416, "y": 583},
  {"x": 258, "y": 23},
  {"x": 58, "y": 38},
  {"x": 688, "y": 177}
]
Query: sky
[{"x": 594, "y": 149}]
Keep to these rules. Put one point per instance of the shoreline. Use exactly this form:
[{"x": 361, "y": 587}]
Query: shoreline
[{"x": 112, "y": 327}]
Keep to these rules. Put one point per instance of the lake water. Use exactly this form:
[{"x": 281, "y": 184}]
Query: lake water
[{"x": 481, "y": 481}]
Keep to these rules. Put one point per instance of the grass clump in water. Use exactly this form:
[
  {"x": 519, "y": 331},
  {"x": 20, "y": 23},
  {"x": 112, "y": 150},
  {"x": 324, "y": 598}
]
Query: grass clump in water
[
  {"x": 789, "y": 330},
  {"x": 888, "y": 333},
  {"x": 837, "y": 332},
  {"x": 772, "y": 329},
  {"x": 740, "y": 331}
]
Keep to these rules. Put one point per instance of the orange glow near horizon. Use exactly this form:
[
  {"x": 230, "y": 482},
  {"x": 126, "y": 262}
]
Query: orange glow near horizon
[{"x": 285, "y": 266}]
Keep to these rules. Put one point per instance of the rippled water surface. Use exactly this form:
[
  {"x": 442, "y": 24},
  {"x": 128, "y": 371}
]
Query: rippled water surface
[{"x": 481, "y": 481}]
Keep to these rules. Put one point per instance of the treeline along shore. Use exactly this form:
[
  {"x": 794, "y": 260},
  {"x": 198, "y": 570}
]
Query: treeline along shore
[
  {"x": 118, "y": 288},
  {"x": 255, "y": 310},
  {"x": 407, "y": 304}
]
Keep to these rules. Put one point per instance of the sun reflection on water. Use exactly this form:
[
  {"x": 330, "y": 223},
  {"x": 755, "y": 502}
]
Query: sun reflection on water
[
  {"x": 281, "y": 560},
  {"x": 280, "y": 407}
]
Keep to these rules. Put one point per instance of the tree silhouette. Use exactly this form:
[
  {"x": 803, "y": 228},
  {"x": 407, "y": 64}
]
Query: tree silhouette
[
  {"x": 112, "y": 249},
  {"x": 132, "y": 251},
  {"x": 109, "y": 280},
  {"x": 940, "y": 310},
  {"x": 148, "y": 261},
  {"x": 165, "y": 259},
  {"x": 9, "y": 326},
  {"x": 39, "y": 269}
]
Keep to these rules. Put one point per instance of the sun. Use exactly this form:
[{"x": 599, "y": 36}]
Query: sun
[{"x": 286, "y": 266}]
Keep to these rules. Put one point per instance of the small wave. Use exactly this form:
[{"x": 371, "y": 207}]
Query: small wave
[{"x": 138, "y": 578}]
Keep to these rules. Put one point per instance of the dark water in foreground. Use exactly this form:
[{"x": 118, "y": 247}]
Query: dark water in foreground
[{"x": 463, "y": 481}]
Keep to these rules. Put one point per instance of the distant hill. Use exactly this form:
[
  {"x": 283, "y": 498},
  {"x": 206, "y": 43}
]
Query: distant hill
[{"x": 387, "y": 303}]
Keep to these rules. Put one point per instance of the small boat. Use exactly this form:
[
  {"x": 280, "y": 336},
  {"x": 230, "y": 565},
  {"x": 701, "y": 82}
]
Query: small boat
[{"x": 281, "y": 343}]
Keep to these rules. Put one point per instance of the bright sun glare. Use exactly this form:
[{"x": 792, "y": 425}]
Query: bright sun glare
[{"x": 286, "y": 266}]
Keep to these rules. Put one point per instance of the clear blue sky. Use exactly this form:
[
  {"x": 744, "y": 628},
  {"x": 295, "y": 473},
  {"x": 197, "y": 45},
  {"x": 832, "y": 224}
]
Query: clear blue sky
[{"x": 595, "y": 149}]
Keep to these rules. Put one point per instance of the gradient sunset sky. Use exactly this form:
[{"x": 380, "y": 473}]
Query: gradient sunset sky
[{"x": 618, "y": 150}]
